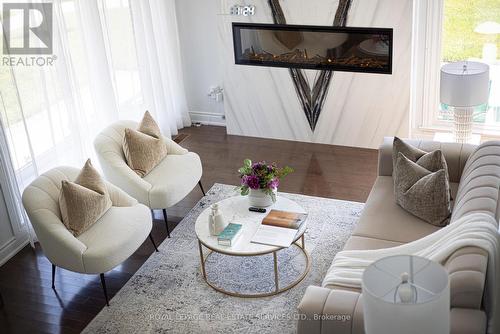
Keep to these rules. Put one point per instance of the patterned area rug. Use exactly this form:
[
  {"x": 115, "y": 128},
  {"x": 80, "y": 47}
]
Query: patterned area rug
[{"x": 168, "y": 293}]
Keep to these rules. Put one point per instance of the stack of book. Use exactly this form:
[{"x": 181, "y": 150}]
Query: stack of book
[{"x": 279, "y": 228}]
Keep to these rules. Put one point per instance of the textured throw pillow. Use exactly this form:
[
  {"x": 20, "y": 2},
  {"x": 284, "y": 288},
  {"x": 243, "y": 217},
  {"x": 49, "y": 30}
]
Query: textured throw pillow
[
  {"x": 149, "y": 126},
  {"x": 84, "y": 201},
  {"x": 420, "y": 191},
  {"x": 144, "y": 148},
  {"x": 409, "y": 151},
  {"x": 414, "y": 154}
]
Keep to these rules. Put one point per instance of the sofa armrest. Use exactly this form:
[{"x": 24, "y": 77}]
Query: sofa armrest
[
  {"x": 385, "y": 157},
  {"x": 173, "y": 147},
  {"x": 324, "y": 310},
  {"x": 467, "y": 271},
  {"x": 119, "y": 197},
  {"x": 467, "y": 321}
]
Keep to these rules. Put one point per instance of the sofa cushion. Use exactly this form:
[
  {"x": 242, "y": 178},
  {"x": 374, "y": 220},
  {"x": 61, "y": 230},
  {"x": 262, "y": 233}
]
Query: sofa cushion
[
  {"x": 395, "y": 224},
  {"x": 420, "y": 190}
]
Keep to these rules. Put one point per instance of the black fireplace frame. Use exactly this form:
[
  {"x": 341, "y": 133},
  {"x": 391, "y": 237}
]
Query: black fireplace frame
[{"x": 237, "y": 26}]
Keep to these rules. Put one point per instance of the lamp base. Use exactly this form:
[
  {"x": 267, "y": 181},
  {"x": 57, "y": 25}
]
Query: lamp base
[
  {"x": 448, "y": 137},
  {"x": 463, "y": 119}
]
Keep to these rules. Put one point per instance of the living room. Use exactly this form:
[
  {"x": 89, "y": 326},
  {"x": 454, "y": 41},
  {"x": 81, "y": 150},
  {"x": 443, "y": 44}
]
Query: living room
[{"x": 250, "y": 166}]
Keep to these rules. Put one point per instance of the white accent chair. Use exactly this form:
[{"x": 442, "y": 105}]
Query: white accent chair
[
  {"x": 106, "y": 244},
  {"x": 166, "y": 185}
]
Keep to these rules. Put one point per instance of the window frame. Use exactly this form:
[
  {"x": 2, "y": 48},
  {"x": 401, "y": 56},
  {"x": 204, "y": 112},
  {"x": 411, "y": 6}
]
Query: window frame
[{"x": 426, "y": 67}]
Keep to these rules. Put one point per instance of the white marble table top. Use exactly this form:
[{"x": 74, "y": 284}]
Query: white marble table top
[{"x": 235, "y": 210}]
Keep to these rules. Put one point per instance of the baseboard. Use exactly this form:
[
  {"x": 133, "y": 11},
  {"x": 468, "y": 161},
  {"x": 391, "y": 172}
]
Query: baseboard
[
  {"x": 9, "y": 250},
  {"x": 207, "y": 118}
]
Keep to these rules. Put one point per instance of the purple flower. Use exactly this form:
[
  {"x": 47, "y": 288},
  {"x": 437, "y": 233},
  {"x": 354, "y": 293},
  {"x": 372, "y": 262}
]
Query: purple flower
[
  {"x": 252, "y": 181},
  {"x": 273, "y": 184},
  {"x": 257, "y": 165}
]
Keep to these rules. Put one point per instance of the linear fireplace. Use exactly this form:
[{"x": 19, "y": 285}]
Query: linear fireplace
[{"x": 314, "y": 47}]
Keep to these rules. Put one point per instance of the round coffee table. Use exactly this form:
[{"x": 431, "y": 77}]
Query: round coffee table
[{"x": 235, "y": 210}]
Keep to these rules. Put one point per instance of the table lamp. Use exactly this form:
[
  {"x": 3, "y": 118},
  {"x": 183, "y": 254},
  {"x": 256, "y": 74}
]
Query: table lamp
[
  {"x": 464, "y": 85},
  {"x": 489, "y": 29},
  {"x": 406, "y": 295}
]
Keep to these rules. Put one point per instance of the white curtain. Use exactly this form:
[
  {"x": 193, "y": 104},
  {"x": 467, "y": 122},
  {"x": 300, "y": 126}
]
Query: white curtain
[
  {"x": 115, "y": 59},
  {"x": 158, "y": 50},
  {"x": 10, "y": 191}
]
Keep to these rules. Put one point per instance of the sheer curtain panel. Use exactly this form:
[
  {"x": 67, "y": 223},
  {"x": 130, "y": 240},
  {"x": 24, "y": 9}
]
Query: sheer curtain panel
[{"x": 158, "y": 51}]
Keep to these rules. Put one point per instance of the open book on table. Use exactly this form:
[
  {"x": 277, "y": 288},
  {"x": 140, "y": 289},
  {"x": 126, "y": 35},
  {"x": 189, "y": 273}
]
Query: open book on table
[{"x": 279, "y": 228}]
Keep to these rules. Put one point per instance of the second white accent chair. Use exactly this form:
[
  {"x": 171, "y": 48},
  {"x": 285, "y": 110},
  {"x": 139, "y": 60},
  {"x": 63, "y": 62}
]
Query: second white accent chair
[{"x": 167, "y": 184}]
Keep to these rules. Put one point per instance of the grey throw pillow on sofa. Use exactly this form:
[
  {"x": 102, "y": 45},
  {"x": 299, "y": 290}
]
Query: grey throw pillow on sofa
[
  {"x": 414, "y": 154},
  {"x": 428, "y": 203},
  {"x": 409, "y": 151},
  {"x": 420, "y": 191}
]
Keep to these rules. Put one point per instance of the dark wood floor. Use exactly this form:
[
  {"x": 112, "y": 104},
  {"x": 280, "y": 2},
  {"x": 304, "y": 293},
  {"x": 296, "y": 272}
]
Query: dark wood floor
[{"x": 30, "y": 304}]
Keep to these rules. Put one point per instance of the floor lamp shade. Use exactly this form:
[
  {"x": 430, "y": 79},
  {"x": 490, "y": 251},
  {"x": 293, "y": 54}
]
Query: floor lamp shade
[
  {"x": 406, "y": 295},
  {"x": 464, "y": 84}
]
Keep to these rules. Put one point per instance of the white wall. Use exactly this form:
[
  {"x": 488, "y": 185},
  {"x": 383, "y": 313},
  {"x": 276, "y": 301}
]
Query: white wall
[
  {"x": 360, "y": 108},
  {"x": 201, "y": 59}
]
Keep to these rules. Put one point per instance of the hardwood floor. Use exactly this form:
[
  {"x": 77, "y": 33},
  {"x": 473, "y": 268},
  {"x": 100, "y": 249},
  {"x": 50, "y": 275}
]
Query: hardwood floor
[{"x": 30, "y": 305}]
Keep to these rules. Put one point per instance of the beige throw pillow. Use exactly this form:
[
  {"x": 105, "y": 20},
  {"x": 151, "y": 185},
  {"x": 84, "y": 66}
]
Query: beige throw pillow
[
  {"x": 420, "y": 191},
  {"x": 144, "y": 148},
  {"x": 84, "y": 201},
  {"x": 149, "y": 126}
]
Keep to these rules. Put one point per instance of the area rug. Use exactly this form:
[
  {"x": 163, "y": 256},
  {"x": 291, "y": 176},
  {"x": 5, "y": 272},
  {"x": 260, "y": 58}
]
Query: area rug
[{"x": 168, "y": 293}]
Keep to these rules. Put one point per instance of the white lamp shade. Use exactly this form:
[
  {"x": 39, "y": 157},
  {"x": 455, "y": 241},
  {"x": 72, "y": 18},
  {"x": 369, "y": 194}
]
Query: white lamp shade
[
  {"x": 383, "y": 310},
  {"x": 488, "y": 28},
  {"x": 464, "y": 84}
]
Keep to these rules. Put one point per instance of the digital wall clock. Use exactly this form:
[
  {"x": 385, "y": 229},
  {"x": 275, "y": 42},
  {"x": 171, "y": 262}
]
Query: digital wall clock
[{"x": 239, "y": 10}]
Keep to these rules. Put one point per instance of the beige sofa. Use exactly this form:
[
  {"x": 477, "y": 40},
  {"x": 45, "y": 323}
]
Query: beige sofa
[{"x": 475, "y": 183}]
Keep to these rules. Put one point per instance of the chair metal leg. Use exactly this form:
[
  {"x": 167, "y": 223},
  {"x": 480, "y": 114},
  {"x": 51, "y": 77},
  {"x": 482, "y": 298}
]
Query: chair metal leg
[
  {"x": 166, "y": 222},
  {"x": 103, "y": 283},
  {"x": 153, "y": 242},
  {"x": 53, "y": 275},
  {"x": 201, "y": 187}
]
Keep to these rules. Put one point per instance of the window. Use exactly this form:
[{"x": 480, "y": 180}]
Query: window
[
  {"x": 52, "y": 113},
  {"x": 39, "y": 106},
  {"x": 448, "y": 31},
  {"x": 470, "y": 32}
]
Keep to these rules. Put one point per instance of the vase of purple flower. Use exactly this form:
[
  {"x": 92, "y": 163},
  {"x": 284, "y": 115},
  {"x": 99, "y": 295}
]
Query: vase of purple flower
[{"x": 260, "y": 181}]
